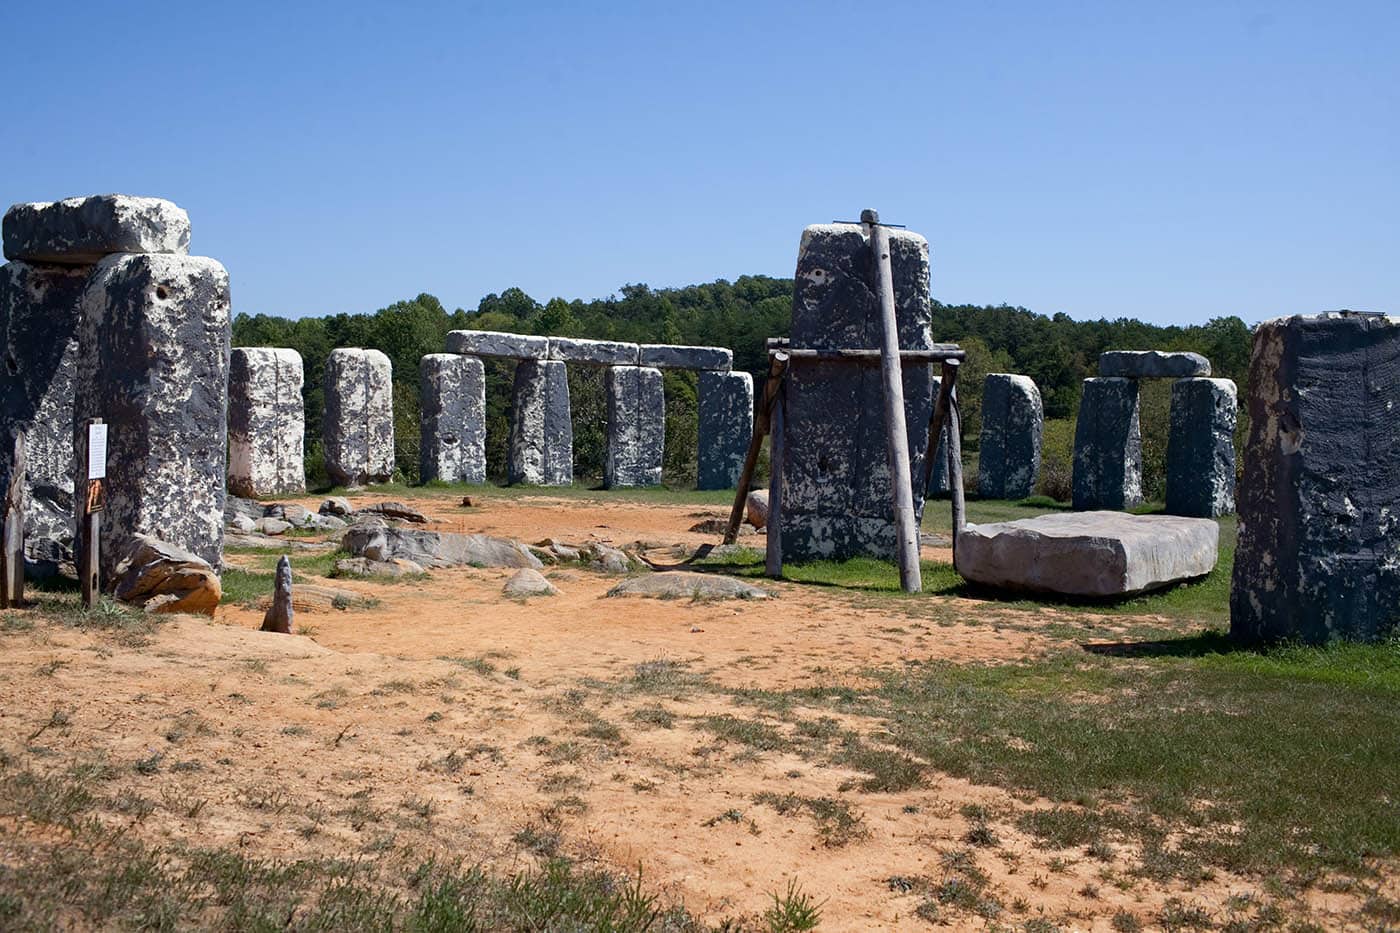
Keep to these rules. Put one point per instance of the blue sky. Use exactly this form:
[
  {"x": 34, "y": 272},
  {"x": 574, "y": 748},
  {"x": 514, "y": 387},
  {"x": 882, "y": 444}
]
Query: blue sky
[{"x": 1170, "y": 161}]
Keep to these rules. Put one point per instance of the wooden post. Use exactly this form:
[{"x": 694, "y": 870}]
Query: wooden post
[
  {"x": 773, "y": 548},
  {"x": 12, "y": 542},
  {"x": 955, "y": 470},
  {"x": 777, "y": 371},
  {"x": 896, "y": 430},
  {"x": 90, "y": 518},
  {"x": 937, "y": 420}
]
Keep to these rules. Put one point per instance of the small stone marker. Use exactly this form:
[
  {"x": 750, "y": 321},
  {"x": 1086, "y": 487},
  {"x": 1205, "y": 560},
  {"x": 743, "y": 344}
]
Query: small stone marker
[
  {"x": 279, "y": 615},
  {"x": 266, "y": 422},
  {"x": 726, "y": 424},
  {"x": 81, "y": 231},
  {"x": 541, "y": 427},
  {"x": 358, "y": 426},
  {"x": 636, "y": 427},
  {"x": 1201, "y": 448},
  {"x": 493, "y": 344},
  {"x": 1108, "y": 446},
  {"x": 452, "y": 430},
  {"x": 1013, "y": 419},
  {"x": 1152, "y": 364}
]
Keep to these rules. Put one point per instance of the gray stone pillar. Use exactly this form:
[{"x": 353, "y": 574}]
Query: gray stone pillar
[
  {"x": 153, "y": 363},
  {"x": 266, "y": 422},
  {"x": 1201, "y": 448},
  {"x": 636, "y": 427},
  {"x": 358, "y": 427},
  {"x": 726, "y": 426},
  {"x": 1013, "y": 419},
  {"x": 938, "y": 479},
  {"x": 1108, "y": 446},
  {"x": 1319, "y": 543},
  {"x": 541, "y": 427},
  {"x": 452, "y": 436}
]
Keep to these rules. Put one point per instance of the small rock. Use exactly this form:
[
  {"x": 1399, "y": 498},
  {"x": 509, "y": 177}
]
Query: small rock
[
  {"x": 242, "y": 524},
  {"x": 329, "y": 523},
  {"x": 337, "y": 505},
  {"x": 467, "y": 502},
  {"x": 606, "y": 558},
  {"x": 272, "y": 526},
  {"x": 545, "y": 555},
  {"x": 292, "y": 513},
  {"x": 236, "y": 506},
  {"x": 565, "y": 553},
  {"x": 365, "y": 567},
  {"x": 397, "y": 510},
  {"x": 756, "y": 508},
  {"x": 683, "y": 585},
  {"x": 161, "y": 577},
  {"x": 526, "y": 583}
]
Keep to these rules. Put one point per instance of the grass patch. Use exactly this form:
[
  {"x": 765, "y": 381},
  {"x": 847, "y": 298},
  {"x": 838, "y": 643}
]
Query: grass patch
[{"x": 837, "y": 823}]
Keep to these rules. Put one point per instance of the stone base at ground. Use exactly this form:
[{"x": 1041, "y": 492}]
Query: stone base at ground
[
  {"x": 452, "y": 430},
  {"x": 636, "y": 427},
  {"x": 1108, "y": 446},
  {"x": 1091, "y": 554},
  {"x": 1013, "y": 419},
  {"x": 678, "y": 584},
  {"x": 726, "y": 425},
  {"x": 266, "y": 422},
  {"x": 1201, "y": 448},
  {"x": 541, "y": 427},
  {"x": 358, "y": 427}
]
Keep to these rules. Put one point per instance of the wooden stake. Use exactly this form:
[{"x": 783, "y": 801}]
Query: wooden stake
[
  {"x": 937, "y": 420},
  {"x": 89, "y": 526},
  {"x": 12, "y": 542},
  {"x": 777, "y": 370},
  {"x": 773, "y": 550}
]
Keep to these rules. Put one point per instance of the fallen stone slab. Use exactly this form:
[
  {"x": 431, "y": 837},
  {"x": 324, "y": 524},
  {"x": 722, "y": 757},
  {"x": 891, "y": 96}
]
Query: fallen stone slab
[
  {"x": 271, "y": 526},
  {"x": 606, "y": 558},
  {"x": 395, "y": 510},
  {"x": 365, "y": 567},
  {"x": 1152, "y": 364},
  {"x": 679, "y": 584},
  {"x": 80, "y": 231},
  {"x": 382, "y": 542},
  {"x": 526, "y": 583},
  {"x": 493, "y": 344},
  {"x": 161, "y": 577},
  {"x": 593, "y": 352},
  {"x": 668, "y": 356},
  {"x": 338, "y": 506},
  {"x": 1091, "y": 554},
  {"x": 255, "y": 541}
]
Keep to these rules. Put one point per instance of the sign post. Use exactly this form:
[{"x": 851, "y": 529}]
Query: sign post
[
  {"x": 90, "y": 554},
  {"x": 12, "y": 531}
]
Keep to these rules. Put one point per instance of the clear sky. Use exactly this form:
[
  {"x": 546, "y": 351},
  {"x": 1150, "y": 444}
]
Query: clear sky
[{"x": 1173, "y": 161}]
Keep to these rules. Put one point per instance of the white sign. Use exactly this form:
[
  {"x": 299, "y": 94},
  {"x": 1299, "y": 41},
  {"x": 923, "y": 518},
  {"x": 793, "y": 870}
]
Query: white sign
[{"x": 97, "y": 451}]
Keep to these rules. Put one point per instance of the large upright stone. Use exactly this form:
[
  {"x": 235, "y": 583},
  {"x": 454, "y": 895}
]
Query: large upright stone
[
  {"x": 835, "y": 480},
  {"x": 80, "y": 231},
  {"x": 726, "y": 426},
  {"x": 452, "y": 431},
  {"x": 1108, "y": 446},
  {"x": 358, "y": 427},
  {"x": 153, "y": 363},
  {"x": 541, "y": 427},
  {"x": 636, "y": 427},
  {"x": 266, "y": 422},
  {"x": 1319, "y": 504},
  {"x": 938, "y": 478},
  {"x": 1201, "y": 448},
  {"x": 1013, "y": 419},
  {"x": 40, "y": 307}
]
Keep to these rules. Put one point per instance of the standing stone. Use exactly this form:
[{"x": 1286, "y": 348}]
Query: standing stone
[
  {"x": 359, "y": 422},
  {"x": 452, "y": 434},
  {"x": 1319, "y": 544},
  {"x": 1201, "y": 448},
  {"x": 1013, "y": 419},
  {"x": 40, "y": 308},
  {"x": 153, "y": 347},
  {"x": 938, "y": 479},
  {"x": 266, "y": 422},
  {"x": 279, "y": 615},
  {"x": 636, "y": 427},
  {"x": 80, "y": 231},
  {"x": 541, "y": 427},
  {"x": 1108, "y": 446},
  {"x": 726, "y": 426},
  {"x": 836, "y": 500}
]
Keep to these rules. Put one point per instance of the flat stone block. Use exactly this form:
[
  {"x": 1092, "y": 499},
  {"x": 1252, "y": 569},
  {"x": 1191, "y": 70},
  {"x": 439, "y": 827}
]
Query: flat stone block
[
  {"x": 1201, "y": 448},
  {"x": 452, "y": 430},
  {"x": 358, "y": 427},
  {"x": 1319, "y": 503},
  {"x": 493, "y": 344},
  {"x": 1108, "y": 446},
  {"x": 593, "y": 352},
  {"x": 80, "y": 231},
  {"x": 1013, "y": 419},
  {"x": 636, "y": 427},
  {"x": 726, "y": 426},
  {"x": 1152, "y": 364},
  {"x": 1092, "y": 554},
  {"x": 541, "y": 427},
  {"x": 665, "y": 356},
  {"x": 266, "y": 422}
]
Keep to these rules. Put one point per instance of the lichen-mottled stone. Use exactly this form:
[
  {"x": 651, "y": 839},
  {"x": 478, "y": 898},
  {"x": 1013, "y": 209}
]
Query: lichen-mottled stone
[
  {"x": 1152, "y": 364},
  {"x": 493, "y": 344},
  {"x": 153, "y": 350},
  {"x": 452, "y": 429},
  {"x": 541, "y": 427},
  {"x": 592, "y": 352},
  {"x": 1201, "y": 448},
  {"x": 358, "y": 427},
  {"x": 1013, "y": 419},
  {"x": 636, "y": 427},
  {"x": 1319, "y": 503},
  {"x": 266, "y": 422},
  {"x": 80, "y": 231},
  {"x": 1108, "y": 446},
  {"x": 667, "y": 356},
  {"x": 726, "y": 425}
]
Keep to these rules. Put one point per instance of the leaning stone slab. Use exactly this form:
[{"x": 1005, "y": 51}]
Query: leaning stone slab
[
  {"x": 1092, "y": 554},
  {"x": 593, "y": 352},
  {"x": 452, "y": 427},
  {"x": 1108, "y": 446},
  {"x": 1319, "y": 504},
  {"x": 153, "y": 362},
  {"x": 358, "y": 427},
  {"x": 1201, "y": 448},
  {"x": 678, "y": 584},
  {"x": 160, "y": 577},
  {"x": 381, "y": 542},
  {"x": 493, "y": 344},
  {"x": 541, "y": 427},
  {"x": 266, "y": 422},
  {"x": 636, "y": 427},
  {"x": 1013, "y": 419},
  {"x": 80, "y": 231},
  {"x": 726, "y": 426},
  {"x": 666, "y": 356},
  {"x": 1152, "y": 364}
]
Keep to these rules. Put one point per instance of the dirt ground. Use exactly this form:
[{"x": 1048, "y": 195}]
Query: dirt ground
[{"x": 449, "y": 718}]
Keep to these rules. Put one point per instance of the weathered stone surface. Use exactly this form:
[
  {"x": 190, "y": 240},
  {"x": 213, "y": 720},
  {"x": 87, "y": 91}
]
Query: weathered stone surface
[
  {"x": 1088, "y": 553},
  {"x": 636, "y": 427},
  {"x": 364, "y": 567},
  {"x": 541, "y": 427},
  {"x": 271, "y": 526},
  {"x": 526, "y": 583},
  {"x": 667, "y": 356},
  {"x": 395, "y": 510},
  {"x": 1152, "y": 364},
  {"x": 161, "y": 577},
  {"x": 358, "y": 427},
  {"x": 1013, "y": 419},
  {"x": 726, "y": 425},
  {"x": 81, "y": 231},
  {"x": 381, "y": 542},
  {"x": 938, "y": 479},
  {"x": 1108, "y": 446},
  {"x": 678, "y": 584},
  {"x": 40, "y": 308},
  {"x": 756, "y": 508},
  {"x": 452, "y": 428},
  {"x": 592, "y": 352},
  {"x": 266, "y": 422},
  {"x": 606, "y": 558},
  {"x": 153, "y": 362},
  {"x": 1201, "y": 448},
  {"x": 1319, "y": 503},
  {"x": 279, "y": 615},
  {"x": 338, "y": 506},
  {"x": 493, "y": 344},
  {"x": 836, "y": 478}
]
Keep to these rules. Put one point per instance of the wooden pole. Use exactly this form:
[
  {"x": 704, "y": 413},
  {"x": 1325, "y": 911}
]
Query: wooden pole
[
  {"x": 12, "y": 551},
  {"x": 896, "y": 430},
  {"x": 773, "y": 548},
  {"x": 955, "y": 469},
  {"x": 937, "y": 421},
  {"x": 90, "y": 523},
  {"x": 777, "y": 370}
]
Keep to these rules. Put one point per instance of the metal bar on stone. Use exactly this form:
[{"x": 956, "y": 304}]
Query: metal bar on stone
[
  {"x": 777, "y": 368},
  {"x": 12, "y": 553},
  {"x": 773, "y": 550},
  {"x": 955, "y": 470},
  {"x": 896, "y": 430}
]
